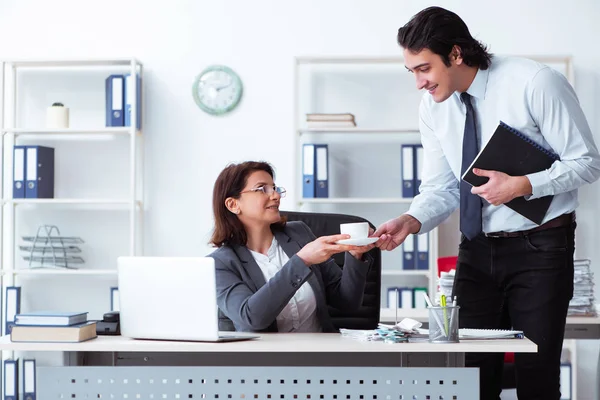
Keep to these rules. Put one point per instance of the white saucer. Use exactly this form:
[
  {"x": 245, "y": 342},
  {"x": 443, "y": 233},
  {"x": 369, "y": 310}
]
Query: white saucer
[{"x": 358, "y": 242}]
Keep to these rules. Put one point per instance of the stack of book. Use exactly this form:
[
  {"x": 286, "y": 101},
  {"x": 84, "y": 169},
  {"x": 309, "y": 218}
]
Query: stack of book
[
  {"x": 582, "y": 303},
  {"x": 48, "y": 326},
  {"x": 345, "y": 120}
]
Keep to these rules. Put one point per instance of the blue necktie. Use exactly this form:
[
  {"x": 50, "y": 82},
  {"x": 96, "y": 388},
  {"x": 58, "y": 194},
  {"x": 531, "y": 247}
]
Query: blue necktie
[{"x": 470, "y": 204}]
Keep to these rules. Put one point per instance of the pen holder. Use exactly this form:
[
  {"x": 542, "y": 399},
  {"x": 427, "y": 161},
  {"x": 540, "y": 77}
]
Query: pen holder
[{"x": 443, "y": 324}]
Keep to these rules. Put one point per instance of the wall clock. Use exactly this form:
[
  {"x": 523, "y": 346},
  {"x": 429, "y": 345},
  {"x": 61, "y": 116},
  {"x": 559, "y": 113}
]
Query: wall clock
[{"x": 217, "y": 90}]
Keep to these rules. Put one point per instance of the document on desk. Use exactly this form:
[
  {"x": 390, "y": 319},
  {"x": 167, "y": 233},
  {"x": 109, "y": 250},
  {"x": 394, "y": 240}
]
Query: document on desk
[
  {"x": 466, "y": 333},
  {"x": 485, "y": 334}
]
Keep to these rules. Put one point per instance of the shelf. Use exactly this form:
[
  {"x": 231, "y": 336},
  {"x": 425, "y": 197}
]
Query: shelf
[
  {"x": 357, "y": 200},
  {"x": 52, "y": 271},
  {"x": 357, "y": 130},
  {"x": 24, "y": 63},
  {"x": 349, "y": 60},
  {"x": 389, "y": 314},
  {"x": 405, "y": 272},
  {"x": 96, "y": 203},
  {"x": 70, "y": 133},
  {"x": 572, "y": 319}
]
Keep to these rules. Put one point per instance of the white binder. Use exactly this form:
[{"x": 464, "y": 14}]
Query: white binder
[
  {"x": 408, "y": 174},
  {"x": 13, "y": 307},
  {"x": 114, "y": 299},
  {"x": 29, "y": 391}
]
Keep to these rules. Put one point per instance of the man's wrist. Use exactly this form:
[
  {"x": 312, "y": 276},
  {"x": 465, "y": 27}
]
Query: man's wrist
[
  {"x": 524, "y": 187},
  {"x": 413, "y": 224}
]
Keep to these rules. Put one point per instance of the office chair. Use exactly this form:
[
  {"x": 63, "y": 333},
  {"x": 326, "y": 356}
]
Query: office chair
[{"x": 367, "y": 316}]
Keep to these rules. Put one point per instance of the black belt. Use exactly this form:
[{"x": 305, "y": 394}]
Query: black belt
[{"x": 563, "y": 220}]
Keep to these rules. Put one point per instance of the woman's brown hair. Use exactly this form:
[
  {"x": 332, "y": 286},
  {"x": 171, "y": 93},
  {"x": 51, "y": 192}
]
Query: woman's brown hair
[{"x": 230, "y": 182}]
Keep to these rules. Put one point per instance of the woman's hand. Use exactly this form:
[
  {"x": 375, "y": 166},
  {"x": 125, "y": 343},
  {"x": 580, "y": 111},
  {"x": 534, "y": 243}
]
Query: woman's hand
[
  {"x": 321, "y": 249},
  {"x": 358, "y": 254}
]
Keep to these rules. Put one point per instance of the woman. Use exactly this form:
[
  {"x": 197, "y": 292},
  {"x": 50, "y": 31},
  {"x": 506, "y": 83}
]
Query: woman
[{"x": 274, "y": 276}]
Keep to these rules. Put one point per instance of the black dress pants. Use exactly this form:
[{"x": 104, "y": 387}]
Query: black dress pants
[{"x": 524, "y": 283}]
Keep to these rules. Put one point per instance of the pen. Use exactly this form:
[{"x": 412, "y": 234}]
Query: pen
[
  {"x": 453, "y": 313},
  {"x": 443, "y": 304},
  {"x": 397, "y": 303}
]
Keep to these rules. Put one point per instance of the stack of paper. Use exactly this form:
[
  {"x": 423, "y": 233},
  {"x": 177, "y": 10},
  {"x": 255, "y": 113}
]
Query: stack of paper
[
  {"x": 399, "y": 333},
  {"x": 582, "y": 303},
  {"x": 358, "y": 334},
  {"x": 446, "y": 281},
  {"x": 385, "y": 334}
]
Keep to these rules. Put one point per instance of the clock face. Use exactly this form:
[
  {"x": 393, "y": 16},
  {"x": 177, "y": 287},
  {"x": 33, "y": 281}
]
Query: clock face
[{"x": 217, "y": 90}]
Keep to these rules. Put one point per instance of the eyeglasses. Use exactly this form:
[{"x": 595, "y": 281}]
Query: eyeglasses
[{"x": 268, "y": 190}]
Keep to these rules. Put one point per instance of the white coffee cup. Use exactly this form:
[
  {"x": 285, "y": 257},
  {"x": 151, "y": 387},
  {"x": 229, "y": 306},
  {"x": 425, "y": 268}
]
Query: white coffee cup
[{"x": 358, "y": 230}]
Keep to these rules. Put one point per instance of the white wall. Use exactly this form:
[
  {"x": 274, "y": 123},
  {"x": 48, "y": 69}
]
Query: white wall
[{"x": 185, "y": 148}]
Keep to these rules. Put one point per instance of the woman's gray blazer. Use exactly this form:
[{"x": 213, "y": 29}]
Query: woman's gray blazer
[{"x": 252, "y": 304}]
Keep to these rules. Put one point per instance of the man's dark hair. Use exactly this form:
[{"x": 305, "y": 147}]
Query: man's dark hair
[{"x": 439, "y": 30}]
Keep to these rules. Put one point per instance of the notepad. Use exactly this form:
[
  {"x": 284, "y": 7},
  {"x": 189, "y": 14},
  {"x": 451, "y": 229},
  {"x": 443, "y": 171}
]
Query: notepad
[
  {"x": 467, "y": 333},
  {"x": 513, "y": 153}
]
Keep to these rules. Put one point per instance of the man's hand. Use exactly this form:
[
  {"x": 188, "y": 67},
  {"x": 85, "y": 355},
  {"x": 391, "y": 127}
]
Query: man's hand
[
  {"x": 392, "y": 233},
  {"x": 501, "y": 188}
]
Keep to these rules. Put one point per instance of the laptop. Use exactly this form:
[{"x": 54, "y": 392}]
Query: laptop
[{"x": 170, "y": 298}]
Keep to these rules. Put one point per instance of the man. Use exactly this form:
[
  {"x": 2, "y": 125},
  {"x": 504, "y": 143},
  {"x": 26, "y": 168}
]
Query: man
[{"x": 511, "y": 272}]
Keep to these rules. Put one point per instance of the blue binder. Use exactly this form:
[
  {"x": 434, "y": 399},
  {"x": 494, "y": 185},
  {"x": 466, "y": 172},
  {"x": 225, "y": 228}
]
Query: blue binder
[
  {"x": 322, "y": 170},
  {"x": 408, "y": 252},
  {"x": 114, "y": 299},
  {"x": 129, "y": 100},
  {"x": 19, "y": 172},
  {"x": 115, "y": 98},
  {"x": 13, "y": 307},
  {"x": 29, "y": 389},
  {"x": 308, "y": 171},
  {"x": 418, "y": 154},
  {"x": 408, "y": 170},
  {"x": 423, "y": 251},
  {"x": 11, "y": 379},
  {"x": 39, "y": 172}
]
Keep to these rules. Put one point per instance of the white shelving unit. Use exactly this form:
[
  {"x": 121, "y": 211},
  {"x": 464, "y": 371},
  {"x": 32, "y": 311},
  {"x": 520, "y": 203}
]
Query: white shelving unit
[
  {"x": 126, "y": 198},
  {"x": 384, "y": 121}
]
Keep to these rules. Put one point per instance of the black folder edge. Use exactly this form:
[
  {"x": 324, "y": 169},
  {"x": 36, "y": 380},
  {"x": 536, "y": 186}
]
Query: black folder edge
[{"x": 505, "y": 125}]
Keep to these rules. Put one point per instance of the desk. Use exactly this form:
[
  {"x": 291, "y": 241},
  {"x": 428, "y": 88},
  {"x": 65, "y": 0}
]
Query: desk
[
  {"x": 302, "y": 365},
  {"x": 576, "y": 327}
]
